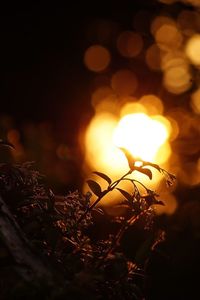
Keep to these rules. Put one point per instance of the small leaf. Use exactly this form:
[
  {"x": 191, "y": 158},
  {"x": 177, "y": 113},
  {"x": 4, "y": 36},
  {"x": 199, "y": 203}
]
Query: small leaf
[
  {"x": 5, "y": 143},
  {"x": 128, "y": 196},
  {"x": 104, "y": 176},
  {"x": 131, "y": 160},
  {"x": 172, "y": 176},
  {"x": 144, "y": 171},
  {"x": 95, "y": 187},
  {"x": 147, "y": 163},
  {"x": 168, "y": 183},
  {"x": 151, "y": 200}
]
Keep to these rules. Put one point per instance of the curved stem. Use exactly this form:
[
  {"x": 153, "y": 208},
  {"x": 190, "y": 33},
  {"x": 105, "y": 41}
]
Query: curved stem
[
  {"x": 109, "y": 189},
  {"x": 141, "y": 184},
  {"x": 115, "y": 183},
  {"x": 134, "y": 180}
]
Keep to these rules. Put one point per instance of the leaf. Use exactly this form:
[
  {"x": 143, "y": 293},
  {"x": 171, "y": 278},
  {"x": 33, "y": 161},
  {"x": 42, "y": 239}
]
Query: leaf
[
  {"x": 169, "y": 183},
  {"x": 5, "y": 143},
  {"x": 95, "y": 187},
  {"x": 172, "y": 176},
  {"x": 131, "y": 160},
  {"x": 147, "y": 163},
  {"x": 151, "y": 200},
  {"x": 128, "y": 196},
  {"x": 144, "y": 171},
  {"x": 104, "y": 176}
]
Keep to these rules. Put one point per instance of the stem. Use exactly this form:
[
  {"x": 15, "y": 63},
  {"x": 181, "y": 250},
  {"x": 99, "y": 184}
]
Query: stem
[
  {"x": 141, "y": 184},
  {"x": 134, "y": 180},
  {"x": 92, "y": 206},
  {"x": 122, "y": 230},
  {"x": 115, "y": 183},
  {"x": 109, "y": 189}
]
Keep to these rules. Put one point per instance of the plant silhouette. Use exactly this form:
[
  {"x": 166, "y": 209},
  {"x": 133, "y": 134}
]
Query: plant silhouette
[{"x": 52, "y": 243}]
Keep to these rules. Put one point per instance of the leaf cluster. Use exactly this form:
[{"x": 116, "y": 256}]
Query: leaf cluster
[{"x": 58, "y": 229}]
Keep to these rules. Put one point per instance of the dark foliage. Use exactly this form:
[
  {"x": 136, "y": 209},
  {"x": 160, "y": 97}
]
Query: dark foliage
[{"x": 82, "y": 253}]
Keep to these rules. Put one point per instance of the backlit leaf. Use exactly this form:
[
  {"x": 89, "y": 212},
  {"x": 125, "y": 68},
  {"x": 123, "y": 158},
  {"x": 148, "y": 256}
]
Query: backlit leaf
[
  {"x": 104, "y": 176},
  {"x": 131, "y": 160},
  {"x": 95, "y": 187},
  {"x": 128, "y": 196},
  {"x": 144, "y": 171},
  {"x": 152, "y": 165},
  {"x": 169, "y": 183},
  {"x": 172, "y": 176}
]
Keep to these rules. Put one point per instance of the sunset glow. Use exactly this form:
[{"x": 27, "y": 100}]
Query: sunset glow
[
  {"x": 141, "y": 135},
  {"x": 144, "y": 136}
]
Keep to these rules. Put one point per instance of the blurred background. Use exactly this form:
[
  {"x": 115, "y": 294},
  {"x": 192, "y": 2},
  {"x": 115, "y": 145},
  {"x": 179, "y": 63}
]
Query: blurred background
[{"x": 78, "y": 82}]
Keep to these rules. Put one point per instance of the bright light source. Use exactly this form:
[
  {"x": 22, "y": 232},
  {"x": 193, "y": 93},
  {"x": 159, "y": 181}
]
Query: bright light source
[
  {"x": 193, "y": 49},
  {"x": 141, "y": 135}
]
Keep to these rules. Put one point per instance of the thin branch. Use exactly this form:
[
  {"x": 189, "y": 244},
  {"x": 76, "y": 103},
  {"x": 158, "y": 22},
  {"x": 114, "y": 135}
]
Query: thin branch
[{"x": 109, "y": 189}]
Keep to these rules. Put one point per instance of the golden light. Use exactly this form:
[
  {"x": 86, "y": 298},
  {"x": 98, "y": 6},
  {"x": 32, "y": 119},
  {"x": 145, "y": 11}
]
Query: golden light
[
  {"x": 168, "y": 37},
  {"x": 124, "y": 82},
  {"x": 101, "y": 153},
  {"x": 104, "y": 99},
  {"x": 97, "y": 58},
  {"x": 174, "y": 128},
  {"x": 141, "y": 135},
  {"x": 177, "y": 79},
  {"x": 153, "y": 57},
  {"x": 160, "y": 21},
  {"x": 174, "y": 59},
  {"x": 132, "y": 107},
  {"x": 100, "y": 94},
  {"x": 152, "y": 103},
  {"x": 193, "y": 49},
  {"x": 129, "y": 44},
  {"x": 195, "y": 101}
]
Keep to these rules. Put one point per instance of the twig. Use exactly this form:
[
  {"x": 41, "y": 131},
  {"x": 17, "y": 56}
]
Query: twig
[{"x": 109, "y": 189}]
